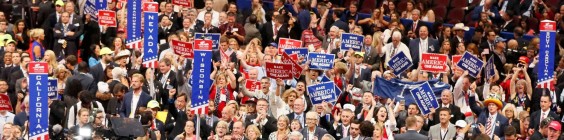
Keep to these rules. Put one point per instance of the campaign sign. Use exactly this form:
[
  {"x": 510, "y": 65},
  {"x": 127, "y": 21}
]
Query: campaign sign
[
  {"x": 209, "y": 36},
  {"x": 201, "y": 81},
  {"x": 252, "y": 85},
  {"x": 353, "y": 41},
  {"x": 490, "y": 69},
  {"x": 151, "y": 37},
  {"x": 432, "y": 62},
  {"x": 5, "y": 104},
  {"x": 279, "y": 70},
  {"x": 425, "y": 98},
  {"x": 399, "y": 63},
  {"x": 183, "y": 48},
  {"x": 53, "y": 90},
  {"x": 201, "y": 44},
  {"x": 286, "y": 43},
  {"x": 107, "y": 18},
  {"x": 302, "y": 52},
  {"x": 150, "y": 7},
  {"x": 455, "y": 59},
  {"x": 470, "y": 63},
  {"x": 101, "y": 4},
  {"x": 296, "y": 69},
  {"x": 91, "y": 9},
  {"x": 546, "y": 56},
  {"x": 39, "y": 108},
  {"x": 337, "y": 89},
  {"x": 320, "y": 61},
  {"x": 183, "y": 3},
  {"x": 322, "y": 92}
]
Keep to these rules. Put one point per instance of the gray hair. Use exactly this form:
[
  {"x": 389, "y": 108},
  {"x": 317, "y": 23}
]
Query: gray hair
[
  {"x": 416, "y": 11},
  {"x": 295, "y": 134},
  {"x": 328, "y": 136},
  {"x": 396, "y": 34}
]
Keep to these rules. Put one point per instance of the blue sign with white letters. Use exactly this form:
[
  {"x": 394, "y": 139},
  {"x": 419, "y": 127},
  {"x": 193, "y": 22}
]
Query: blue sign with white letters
[
  {"x": 490, "y": 69},
  {"x": 425, "y": 98},
  {"x": 399, "y": 63},
  {"x": 322, "y": 92},
  {"x": 320, "y": 61},
  {"x": 353, "y": 41},
  {"x": 209, "y": 36},
  {"x": 38, "y": 105},
  {"x": 53, "y": 90},
  {"x": 470, "y": 63}
]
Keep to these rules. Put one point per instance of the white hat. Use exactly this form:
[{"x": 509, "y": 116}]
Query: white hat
[
  {"x": 118, "y": 72},
  {"x": 349, "y": 106},
  {"x": 103, "y": 87},
  {"x": 460, "y": 123},
  {"x": 123, "y": 53},
  {"x": 460, "y": 26}
]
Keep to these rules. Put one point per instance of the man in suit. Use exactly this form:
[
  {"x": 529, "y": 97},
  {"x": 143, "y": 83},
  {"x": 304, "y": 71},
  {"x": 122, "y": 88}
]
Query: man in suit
[
  {"x": 167, "y": 78},
  {"x": 446, "y": 102},
  {"x": 437, "y": 131},
  {"x": 131, "y": 106},
  {"x": 488, "y": 8},
  {"x": 355, "y": 132},
  {"x": 97, "y": 71},
  {"x": 458, "y": 36},
  {"x": 169, "y": 12},
  {"x": 342, "y": 130},
  {"x": 298, "y": 113},
  {"x": 266, "y": 123},
  {"x": 66, "y": 36},
  {"x": 394, "y": 48},
  {"x": 187, "y": 27},
  {"x": 544, "y": 112},
  {"x": 207, "y": 27},
  {"x": 86, "y": 80},
  {"x": 362, "y": 109},
  {"x": 491, "y": 122},
  {"x": 166, "y": 27},
  {"x": 416, "y": 24},
  {"x": 508, "y": 23},
  {"x": 330, "y": 42},
  {"x": 489, "y": 43},
  {"x": 17, "y": 73},
  {"x": 224, "y": 53},
  {"x": 273, "y": 30},
  {"x": 411, "y": 133},
  {"x": 423, "y": 44},
  {"x": 312, "y": 118},
  {"x": 50, "y": 23}
]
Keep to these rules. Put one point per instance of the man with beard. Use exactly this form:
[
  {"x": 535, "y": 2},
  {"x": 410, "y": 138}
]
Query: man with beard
[{"x": 209, "y": 8}]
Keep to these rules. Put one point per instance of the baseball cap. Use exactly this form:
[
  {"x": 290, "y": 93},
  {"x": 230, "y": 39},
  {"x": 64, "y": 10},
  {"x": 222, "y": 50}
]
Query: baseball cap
[
  {"x": 153, "y": 104},
  {"x": 524, "y": 59},
  {"x": 105, "y": 51},
  {"x": 59, "y": 3},
  {"x": 361, "y": 54},
  {"x": 273, "y": 45},
  {"x": 555, "y": 125},
  {"x": 460, "y": 123}
]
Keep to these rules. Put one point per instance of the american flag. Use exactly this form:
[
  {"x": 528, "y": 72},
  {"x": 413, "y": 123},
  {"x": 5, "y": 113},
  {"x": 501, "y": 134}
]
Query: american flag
[
  {"x": 135, "y": 44},
  {"x": 547, "y": 84},
  {"x": 40, "y": 134},
  {"x": 151, "y": 64}
]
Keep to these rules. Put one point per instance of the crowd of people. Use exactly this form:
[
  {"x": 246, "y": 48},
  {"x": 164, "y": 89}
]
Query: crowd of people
[{"x": 102, "y": 83}]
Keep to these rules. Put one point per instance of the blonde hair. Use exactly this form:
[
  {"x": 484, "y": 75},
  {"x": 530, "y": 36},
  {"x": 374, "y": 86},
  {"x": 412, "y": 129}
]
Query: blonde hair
[
  {"x": 36, "y": 33},
  {"x": 376, "y": 41},
  {"x": 52, "y": 58},
  {"x": 512, "y": 107},
  {"x": 286, "y": 94},
  {"x": 222, "y": 123},
  {"x": 253, "y": 128},
  {"x": 140, "y": 76}
]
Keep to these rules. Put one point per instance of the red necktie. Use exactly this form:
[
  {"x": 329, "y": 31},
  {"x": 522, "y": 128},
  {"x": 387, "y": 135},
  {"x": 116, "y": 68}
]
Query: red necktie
[{"x": 414, "y": 27}]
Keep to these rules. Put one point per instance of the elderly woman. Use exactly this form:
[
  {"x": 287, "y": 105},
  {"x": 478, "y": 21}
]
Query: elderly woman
[
  {"x": 295, "y": 135},
  {"x": 521, "y": 90},
  {"x": 220, "y": 130},
  {"x": 283, "y": 129},
  {"x": 253, "y": 133},
  {"x": 510, "y": 112},
  {"x": 122, "y": 59}
]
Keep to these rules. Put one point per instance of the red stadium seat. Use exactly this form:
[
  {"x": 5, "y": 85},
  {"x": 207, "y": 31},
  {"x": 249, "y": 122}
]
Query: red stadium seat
[
  {"x": 441, "y": 3},
  {"x": 555, "y": 4},
  {"x": 533, "y": 23},
  {"x": 459, "y": 4},
  {"x": 455, "y": 15},
  {"x": 368, "y": 6},
  {"x": 402, "y": 6},
  {"x": 440, "y": 12}
]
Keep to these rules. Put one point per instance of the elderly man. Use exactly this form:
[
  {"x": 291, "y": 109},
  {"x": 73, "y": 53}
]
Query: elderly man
[
  {"x": 312, "y": 131},
  {"x": 394, "y": 48}
]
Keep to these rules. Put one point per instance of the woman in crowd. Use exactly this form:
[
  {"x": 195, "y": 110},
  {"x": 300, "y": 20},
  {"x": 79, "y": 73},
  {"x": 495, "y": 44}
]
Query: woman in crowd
[
  {"x": 188, "y": 133},
  {"x": 222, "y": 88},
  {"x": 118, "y": 46},
  {"x": 93, "y": 60},
  {"x": 460, "y": 49},
  {"x": 376, "y": 22},
  {"x": 21, "y": 35},
  {"x": 378, "y": 134},
  {"x": 220, "y": 130},
  {"x": 510, "y": 112},
  {"x": 524, "y": 121},
  {"x": 520, "y": 89},
  {"x": 61, "y": 74},
  {"x": 295, "y": 125},
  {"x": 391, "y": 8},
  {"x": 51, "y": 60},
  {"x": 253, "y": 133},
  {"x": 37, "y": 50},
  {"x": 83, "y": 122},
  {"x": 446, "y": 34},
  {"x": 283, "y": 128},
  {"x": 108, "y": 74},
  {"x": 409, "y": 8}
]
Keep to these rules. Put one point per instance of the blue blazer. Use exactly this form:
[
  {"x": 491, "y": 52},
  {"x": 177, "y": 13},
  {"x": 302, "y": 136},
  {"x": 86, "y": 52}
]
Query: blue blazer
[
  {"x": 500, "y": 121},
  {"x": 125, "y": 108},
  {"x": 414, "y": 49}
]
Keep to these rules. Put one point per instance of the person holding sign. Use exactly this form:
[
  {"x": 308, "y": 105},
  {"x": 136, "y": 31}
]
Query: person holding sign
[
  {"x": 395, "y": 47},
  {"x": 221, "y": 91}
]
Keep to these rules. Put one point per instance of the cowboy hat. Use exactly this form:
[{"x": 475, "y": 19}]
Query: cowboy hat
[
  {"x": 460, "y": 26},
  {"x": 494, "y": 99}
]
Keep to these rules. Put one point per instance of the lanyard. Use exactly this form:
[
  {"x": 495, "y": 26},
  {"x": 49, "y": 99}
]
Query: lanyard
[{"x": 443, "y": 137}]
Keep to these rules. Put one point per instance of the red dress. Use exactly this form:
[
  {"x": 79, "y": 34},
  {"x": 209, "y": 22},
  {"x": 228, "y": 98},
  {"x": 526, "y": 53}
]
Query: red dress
[{"x": 228, "y": 92}]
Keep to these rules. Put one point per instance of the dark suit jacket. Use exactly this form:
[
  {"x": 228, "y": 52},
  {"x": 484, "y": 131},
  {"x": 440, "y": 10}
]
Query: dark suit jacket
[
  {"x": 409, "y": 27},
  {"x": 292, "y": 116},
  {"x": 517, "y": 7},
  {"x": 91, "y": 36},
  {"x": 159, "y": 91},
  {"x": 16, "y": 74},
  {"x": 501, "y": 122},
  {"x": 171, "y": 82},
  {"x": 319, "y": 132},
  {"x": 126, "y": 109},
  {"x": 509, "y": 27},
  {"x": 86, "y": 81},
  {"x": 267, "y": 128},
  {"x": 267, "y": 33},
  {"x": 72, "y": 41},
  {"x": 454, "y": 111},
  {"x": 536, "y": 116},
  {"x": 97, "y": 72},
  {"x": 415, "y": 49},
  {"x": 58, "y": 112},
  {"x": 410, "y": 135},
  {"x": 163, "y": 34},
  {"x": 478, "y": 10},
  {"x": 200, "y": 29}
]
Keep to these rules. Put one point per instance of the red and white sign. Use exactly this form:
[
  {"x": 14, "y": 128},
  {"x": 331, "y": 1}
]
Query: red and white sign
[
  {"x": 252, "y": 85},
  {"x": 38, "y": 67},
  {"x": 107, "y": 18},
  {"x": 184, "y": 49},
  {"x": 286, "y": 43},
  {"x": 296, "y": 69},
  {"x": 5, "y": 104},
  {"x": 294, "y": 57},
  {"x": 432, "y": 62},
  {"x": 185, "y": 3},
  {"x": 455, "y": 59},
  {"x": 547, "y": 25},
  {"x": 279, "y": 70},
  {"x": 151, "y": 7},
  {"x": 201, "y": 44}
]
